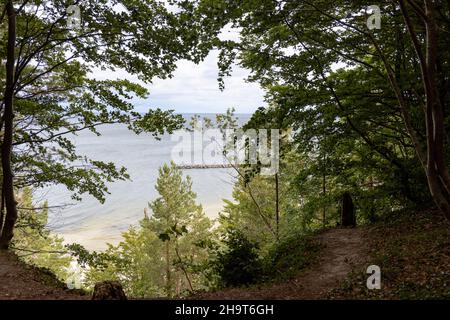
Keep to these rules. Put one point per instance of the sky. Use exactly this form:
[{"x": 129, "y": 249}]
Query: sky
[{"x": 195, "y": 89}]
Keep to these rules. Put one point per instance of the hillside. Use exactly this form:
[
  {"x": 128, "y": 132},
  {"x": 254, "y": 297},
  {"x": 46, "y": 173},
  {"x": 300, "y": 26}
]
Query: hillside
[
  {"x": 19, "y": 281},
  {"x": 411, "y": 248},
  {"x": 341, "y": 249}
]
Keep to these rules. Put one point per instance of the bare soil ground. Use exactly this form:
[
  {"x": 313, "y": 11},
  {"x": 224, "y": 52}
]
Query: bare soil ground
[
  {"x": 342, "y": 250},
  {"x": 21, "y": 282}
]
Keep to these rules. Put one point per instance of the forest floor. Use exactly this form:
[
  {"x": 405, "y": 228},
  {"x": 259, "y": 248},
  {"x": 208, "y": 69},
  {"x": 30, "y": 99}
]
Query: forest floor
[
  {"x": 19, "y": 281},
  {"x": 342, "y": 249},
  {"x": 411, "y": 247}
]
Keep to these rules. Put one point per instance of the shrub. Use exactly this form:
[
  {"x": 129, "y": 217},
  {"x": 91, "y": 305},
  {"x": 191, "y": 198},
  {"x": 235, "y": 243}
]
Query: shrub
[{"x": 239, "y": 263}]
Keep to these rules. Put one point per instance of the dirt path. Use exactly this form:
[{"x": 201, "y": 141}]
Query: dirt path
[
  {"x": 342, "y": 249},
  {"x": 20, "y": 282}
]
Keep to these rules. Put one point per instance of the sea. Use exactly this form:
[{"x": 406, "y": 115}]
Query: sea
[{"x": 93, "y": 224}]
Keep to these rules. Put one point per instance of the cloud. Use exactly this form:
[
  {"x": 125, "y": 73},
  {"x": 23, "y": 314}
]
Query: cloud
[{"x": 195, "y": 89}]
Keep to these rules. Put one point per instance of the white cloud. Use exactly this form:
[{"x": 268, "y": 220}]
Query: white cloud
[{"x": 194, "y": 89}]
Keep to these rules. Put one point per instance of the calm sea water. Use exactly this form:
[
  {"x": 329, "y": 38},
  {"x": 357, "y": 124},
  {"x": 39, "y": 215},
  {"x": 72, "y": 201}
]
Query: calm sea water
[{"x": 93, "y": 224}]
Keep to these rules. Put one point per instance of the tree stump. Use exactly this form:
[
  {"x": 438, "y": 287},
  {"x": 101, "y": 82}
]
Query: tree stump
[
  {"x": 108, "y": 290},
  {"x": 348, "y": 217}
]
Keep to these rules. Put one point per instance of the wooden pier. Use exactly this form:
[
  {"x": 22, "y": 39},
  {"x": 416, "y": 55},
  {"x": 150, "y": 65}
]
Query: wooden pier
[{"x": 204, "y": 166}]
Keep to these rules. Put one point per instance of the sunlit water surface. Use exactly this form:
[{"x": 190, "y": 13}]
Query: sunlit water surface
[{"x": 93, "y": 224}]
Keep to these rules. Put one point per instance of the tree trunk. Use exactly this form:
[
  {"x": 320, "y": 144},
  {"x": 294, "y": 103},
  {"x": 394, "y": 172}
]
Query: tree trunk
[
  {"x": 438, "y": 175},
  {"x": 168, "y": 273},
  {"x": 277, "y": 206},
  {"x": 348, "y": 218},
  {"x": 2, "y": 210},
  {"x": 324, "y": 193},
  {"x": 437, "y": 172},
  {"x": 108, "y": 290},
  {"x": 6, "y": 148},
  {"x": 180, "y": 261}
]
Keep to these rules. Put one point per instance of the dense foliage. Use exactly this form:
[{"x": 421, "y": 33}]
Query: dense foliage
[
  {"x": 362, "y": 111},
  {"x": 33, "y": 242},
  {"x": 53, "y": 92},
  {"x": 163, "y": 256}
]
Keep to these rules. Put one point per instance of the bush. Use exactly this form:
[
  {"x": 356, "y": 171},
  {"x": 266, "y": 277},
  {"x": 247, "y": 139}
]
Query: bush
[
  {"x": 292, "y": 255},
  {"x": 239, "y": 263}
]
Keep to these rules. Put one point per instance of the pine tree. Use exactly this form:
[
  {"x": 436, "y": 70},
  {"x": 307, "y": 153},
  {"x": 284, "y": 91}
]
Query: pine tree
[
  {"x": 180, "y": 223},
  {"x": 162, "y": 257}
]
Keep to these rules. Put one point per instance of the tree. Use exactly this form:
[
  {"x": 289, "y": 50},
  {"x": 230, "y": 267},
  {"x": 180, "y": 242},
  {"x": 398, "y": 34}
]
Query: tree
[
  {"x": 320, "y": 61},
  {"x": 49, "y": 91},
  {"x": 34, "y": 243},
  {"x": 434, "y": 76},
  {"x": 164, "y": 256},
  {"x": 7, "y": 226},
  {"x": 135, "y": 262},
  {"x": 175, "y": 210},
  {"x": 239, "y": 263}
]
